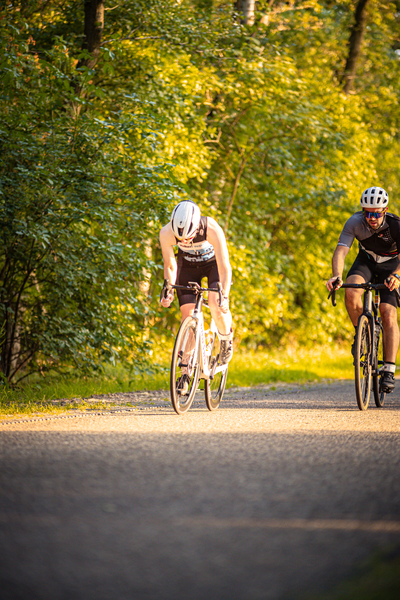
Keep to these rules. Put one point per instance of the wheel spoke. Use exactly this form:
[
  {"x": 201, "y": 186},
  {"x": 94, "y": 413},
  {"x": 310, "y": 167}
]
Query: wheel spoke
[
  {"x": 362, "y": 362},
  {"x": 184, "y": 367},
  {"x": 214, "y": 388},
  {"x": 379, "y": 396}
]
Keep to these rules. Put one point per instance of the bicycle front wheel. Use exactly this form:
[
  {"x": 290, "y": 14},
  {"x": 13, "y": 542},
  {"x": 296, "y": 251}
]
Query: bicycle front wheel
[
  {"x": 184, "y": 377},
  {"x": 362, "y": 362},
  {"x": 379, "y": 361},
  {"x": 214, "y": 388}
]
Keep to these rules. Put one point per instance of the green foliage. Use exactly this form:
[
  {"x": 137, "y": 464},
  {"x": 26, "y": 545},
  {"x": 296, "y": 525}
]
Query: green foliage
[
  {"x": 296, "y": 366},
  {"x": 377, "y": 578},
  {"x": 185, "y": 101},
  {"x": 75, "y": 205}
]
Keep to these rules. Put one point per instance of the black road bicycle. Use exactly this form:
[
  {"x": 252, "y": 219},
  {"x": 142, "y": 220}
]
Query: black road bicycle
[
  {"x": 368, "y": 349},
  {"x": 196, "y": 355}
]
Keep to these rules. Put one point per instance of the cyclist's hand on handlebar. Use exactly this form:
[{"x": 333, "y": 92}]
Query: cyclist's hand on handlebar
[
  {"x": 166, "y": 302},
  {"x": 224, "y": 305},
  {"x": 334, "y": 283},
  {"x": 392, "y": 283},
  {"x": 167, "y": 294}
]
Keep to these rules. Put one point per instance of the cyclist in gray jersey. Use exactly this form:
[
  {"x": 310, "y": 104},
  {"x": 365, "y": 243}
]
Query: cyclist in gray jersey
[
  {"x": 378, "y": 236},
  {"x": 202, "y": 252}
]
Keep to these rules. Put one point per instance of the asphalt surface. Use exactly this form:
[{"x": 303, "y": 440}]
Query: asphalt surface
[{"x": 278, "y": 494}]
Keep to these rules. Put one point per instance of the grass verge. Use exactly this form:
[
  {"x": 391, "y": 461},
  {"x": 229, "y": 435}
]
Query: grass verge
[
  {"x": 246, "y": 370},
  {"x": 377, "y": 579}
]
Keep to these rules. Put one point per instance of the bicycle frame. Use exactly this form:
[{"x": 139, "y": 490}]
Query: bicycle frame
[
  {"x": 200, "y": 342},
  {"x": 370, "y": 308},
  {"x": 369, "y": 356}
]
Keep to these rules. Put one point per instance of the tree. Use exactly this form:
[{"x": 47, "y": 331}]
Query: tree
[
  {"x": 247, "y": 8},
  {"x": 183, "y": 100},
  {"x": 93, "y": 28},
  {"x": 74, "y": 209},
  {"x": 355, "y": 43}
]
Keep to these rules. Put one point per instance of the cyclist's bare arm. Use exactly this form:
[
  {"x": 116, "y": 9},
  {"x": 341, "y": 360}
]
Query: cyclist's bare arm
[
  {"x": 216, "y": 237},
  {"x": 338, "y": 259},
  {"x": 167, "y": 242},
  {"x": 392, "y": 282}
]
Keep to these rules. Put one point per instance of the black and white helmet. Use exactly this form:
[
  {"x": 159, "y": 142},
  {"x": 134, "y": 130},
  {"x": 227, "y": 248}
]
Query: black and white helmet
[
  {"x": 185, "y": 219},
  {"x": 374, "y": 197}
]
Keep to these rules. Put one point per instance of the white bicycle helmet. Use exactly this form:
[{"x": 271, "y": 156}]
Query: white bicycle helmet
[
  {"x": 374, "y": 197},
  {"x": 185, "y": 219}
]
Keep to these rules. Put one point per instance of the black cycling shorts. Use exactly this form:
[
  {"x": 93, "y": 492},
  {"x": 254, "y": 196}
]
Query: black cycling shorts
[
  {"x": 368, "y": 268},
  {"x": 195, "y": 273}
]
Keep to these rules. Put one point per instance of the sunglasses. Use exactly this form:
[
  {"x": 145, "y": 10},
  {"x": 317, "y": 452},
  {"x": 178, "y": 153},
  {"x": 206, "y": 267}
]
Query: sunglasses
[{"x": 373, "y": 215}]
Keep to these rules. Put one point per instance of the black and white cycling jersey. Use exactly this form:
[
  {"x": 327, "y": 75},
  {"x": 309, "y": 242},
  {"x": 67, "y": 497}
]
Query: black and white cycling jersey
[
  {"x": 199, "y": 250},
  {"x": 381, "y": 244}
]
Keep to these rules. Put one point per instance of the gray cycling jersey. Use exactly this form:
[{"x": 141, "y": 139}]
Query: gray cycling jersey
[{"x": 380, "y": 244}]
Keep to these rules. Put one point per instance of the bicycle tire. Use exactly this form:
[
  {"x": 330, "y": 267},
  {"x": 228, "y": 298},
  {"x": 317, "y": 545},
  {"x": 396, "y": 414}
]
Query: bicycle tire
[
  {"x": 376, "y": 376},
  {"x": 362, "y": 362},
  {"x": 214, "y": 388},
  {"x": 183, "y": 341}
]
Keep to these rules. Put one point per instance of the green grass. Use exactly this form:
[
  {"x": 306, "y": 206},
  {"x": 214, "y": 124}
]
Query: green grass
[
  {"x": 377, "y": 579},
  {"x": 246, "y": 370},
  {"x": 290, "y": 366}
]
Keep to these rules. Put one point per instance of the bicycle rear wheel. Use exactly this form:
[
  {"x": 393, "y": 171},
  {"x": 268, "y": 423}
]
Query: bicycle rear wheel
[
  {"x": 376, "y": 376},
  {"x": 214, "y": 388},
  {"x": 362, "y": 362},
  {"x": 184, "y": 363}
]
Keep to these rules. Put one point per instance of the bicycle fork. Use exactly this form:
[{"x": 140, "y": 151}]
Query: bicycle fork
[
  {"x": 202, "y": 346},
  {"x": 371, "y": 310},
  {"x": 197, "y": 349}
]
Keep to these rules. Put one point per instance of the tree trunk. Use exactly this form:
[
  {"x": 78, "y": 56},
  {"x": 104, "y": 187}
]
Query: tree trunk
[
  {"x": 246, "y": 7},
  {"x": 93, "y": 29},
  {"x": 94, "y": 25},
  {"x": 355, "y": 43}
]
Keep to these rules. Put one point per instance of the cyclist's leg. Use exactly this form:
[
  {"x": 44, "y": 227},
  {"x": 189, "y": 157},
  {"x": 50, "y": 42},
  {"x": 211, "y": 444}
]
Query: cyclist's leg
[
  {"x": 391, "y": 336},
  {"x": 187, "y": 311},
  {"x": 187, "y": 303},
  {"x": 222, "y": 320},
  {"x": 390, "y": 344},
  {"x": 360, "y": 272},
  {"x": 388, "y": 310},
  {"x": 353, "y": 299}
]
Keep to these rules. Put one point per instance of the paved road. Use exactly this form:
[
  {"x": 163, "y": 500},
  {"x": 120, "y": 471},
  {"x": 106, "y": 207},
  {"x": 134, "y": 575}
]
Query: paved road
[{"x": 277, "y": 494}]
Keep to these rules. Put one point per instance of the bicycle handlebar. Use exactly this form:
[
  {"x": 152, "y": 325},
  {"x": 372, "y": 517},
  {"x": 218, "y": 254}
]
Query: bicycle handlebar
[
  {"x": 193, "y": 287},
  {"x": 365, "y": 286}
]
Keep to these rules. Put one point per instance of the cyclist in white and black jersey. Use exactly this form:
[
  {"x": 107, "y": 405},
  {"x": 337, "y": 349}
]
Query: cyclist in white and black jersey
[
  {"x": 202, "y": 252},
  {"x": 378, "y": 235}
]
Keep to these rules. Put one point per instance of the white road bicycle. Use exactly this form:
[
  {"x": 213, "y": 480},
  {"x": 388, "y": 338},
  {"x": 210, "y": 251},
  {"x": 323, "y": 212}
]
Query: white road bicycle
[{"x": 196, "y": 355}]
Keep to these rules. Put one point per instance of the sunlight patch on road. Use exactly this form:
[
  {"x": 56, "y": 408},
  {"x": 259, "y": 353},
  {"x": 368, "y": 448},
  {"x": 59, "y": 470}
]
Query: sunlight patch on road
[
  {"x": 224, "y": 421},
  {"x": 309, "y": 524}
]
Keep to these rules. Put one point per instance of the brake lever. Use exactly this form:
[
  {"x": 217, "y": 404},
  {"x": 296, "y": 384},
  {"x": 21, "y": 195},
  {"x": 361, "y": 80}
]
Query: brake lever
[
  {"x": 332, "y": 293},
  {"x": 219, "y": 292},
  {"x": 332, "y": 296},
  {"x": 167, "y": 287}
]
